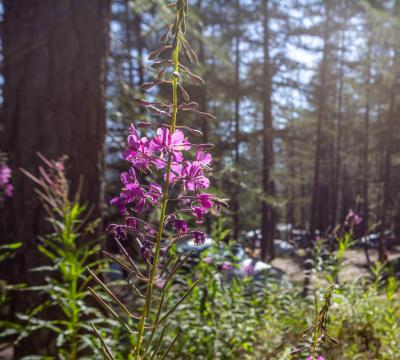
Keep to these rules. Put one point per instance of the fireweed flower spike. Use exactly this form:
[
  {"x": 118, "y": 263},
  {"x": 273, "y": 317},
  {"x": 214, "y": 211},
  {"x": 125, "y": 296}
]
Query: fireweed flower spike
[{"x": 168, "y": 153}]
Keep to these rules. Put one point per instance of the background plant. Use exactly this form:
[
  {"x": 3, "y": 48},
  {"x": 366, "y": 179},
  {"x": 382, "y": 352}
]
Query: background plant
[{"x": 65, "y": 307}]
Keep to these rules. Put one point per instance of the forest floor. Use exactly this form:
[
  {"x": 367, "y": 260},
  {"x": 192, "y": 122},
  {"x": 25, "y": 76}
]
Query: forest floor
[{"x": 354, "y": 265}]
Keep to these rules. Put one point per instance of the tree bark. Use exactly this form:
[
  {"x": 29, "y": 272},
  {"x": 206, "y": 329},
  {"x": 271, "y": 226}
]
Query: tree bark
[
  {"x": 366, "y": 141},
  {"x": 339, "y": 133},
  {"x": 235, "y": 200},
  {"x": 267, "y": 216},
  {"x": 387, "y": 176},
  {"x": 321, "y": 116},
  {"x": 54, "y": 72}
]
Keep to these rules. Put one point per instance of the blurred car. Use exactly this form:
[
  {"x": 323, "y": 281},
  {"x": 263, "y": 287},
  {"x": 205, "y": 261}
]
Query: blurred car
[
  {"x": 372, "y": 240},
  {"x": 234, "y": 261},
  {"x": 282, "y": 248}
]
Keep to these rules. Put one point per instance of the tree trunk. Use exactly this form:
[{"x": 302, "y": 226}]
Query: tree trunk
[
  {"x": 139, "y": 47},
  {"x": 387, "y": 177},
  {"x": 129, "y": 45},
  {"x": 54, "y": 72},
  {"x": 317, "y": 193},
  {"x": 267, "y": 216},
  {"x": 235, "y": 200},
  {"x": 339, "y": 132},
  {"x": 366, "y": 142}
]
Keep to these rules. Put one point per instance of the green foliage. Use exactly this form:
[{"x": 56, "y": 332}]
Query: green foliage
[
  {"x": 225, "y": 319},
  {"x": 64, "y": 308}
]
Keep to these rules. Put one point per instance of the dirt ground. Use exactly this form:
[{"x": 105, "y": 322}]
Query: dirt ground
[{"x": 354, "y": 265}]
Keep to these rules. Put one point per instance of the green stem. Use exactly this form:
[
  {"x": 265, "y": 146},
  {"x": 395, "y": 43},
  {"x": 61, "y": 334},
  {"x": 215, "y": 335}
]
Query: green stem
[
  {"x": 164, "y": 202},
  {"x": 316, "y": 329}
]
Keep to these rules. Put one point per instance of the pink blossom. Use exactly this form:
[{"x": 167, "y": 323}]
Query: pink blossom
[
  {"x": 354, "y": 217},
  {"x": 138, "y": 151},
  {"x": 193, "y": 176},
  {"x": 199, "y": 237},
  {"x": 208, "y": 260},
  {"x": 181, "y": 225},
  {"x": 6, "y": 188},
  {"x": 226, "y": 266},
  {"x": 173, "y": 144},
  {"x": 199, "y": 213},
  {"x": 154, "y": 193},
  {"x": 205, "y": 200},
  {"x": 203, "y": 158}
]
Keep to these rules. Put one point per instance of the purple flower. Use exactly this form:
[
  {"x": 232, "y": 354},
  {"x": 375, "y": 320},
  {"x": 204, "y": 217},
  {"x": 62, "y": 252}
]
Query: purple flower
[
  {"x": 248, "y": 269},
  {"x": 199, "y": 213},
  {"x": 5, "y": 174},
  {"x": 354, "y": 217},
  {"x": 6, "y": 188},
  {"x": 137, "y": 151},
  {"x": 203, "y": 158},
  {"x": 181, "y": 225},
  {"x": 205, "y": 200},
  {"x": 132, "y": 191},
  {"x": 120, "y": 204},
  {"x": 131, "y": 223},
  {"x": 155, "y": 193},
  {"x": 226, "y": 266},
  {"x": 199, "y": 237},
  {"x": 193, "y": 176},
  {"x": 145, "y": 250},
  {"x": 173, "y": 144},
  {"x": 117, "y": 231},
  {"x": 208, "y": 260}
]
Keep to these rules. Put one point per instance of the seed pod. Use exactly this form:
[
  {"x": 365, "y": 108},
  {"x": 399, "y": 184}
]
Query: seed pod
[
  {"x": 157, "y": 111},
  {"x": 146, "y": 86},
  {"x": 160, "y": 63},
  {"x": 188, "y": 50},
  {"x": 144, "y": 124},
  {"x": 164, "y": 37},
  {"x": 192, "y": 131},
  {"x": 141, "y": 102},
  {"x": 207, "y": 116},
  {"x": 206, "y": 146},
  {"x": 155, "y": 54},
  {"x": 184, "y": 93},
  {"x": 161, "y": 75},
  {"x": 187, "y": 106},
  {"x": 197, "y": 80}
]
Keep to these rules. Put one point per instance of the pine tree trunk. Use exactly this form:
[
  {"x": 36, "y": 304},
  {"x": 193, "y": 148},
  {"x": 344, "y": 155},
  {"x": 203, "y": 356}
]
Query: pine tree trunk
[
  {"x": 387, "y": 177},
  {"x": 54, "y": 72},
  {"x": 339, "y": 133},
  {"x": 267, "y": 216},
  {"x": 128, "y": 45},
  {"x": 366, "y": 143},
  {"x": 317, "y": 194},
  {"x": 235, "y": 200}
]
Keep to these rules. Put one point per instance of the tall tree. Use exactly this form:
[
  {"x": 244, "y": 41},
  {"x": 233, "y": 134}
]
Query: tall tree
[
  {"x": 235, "y": 200},
  {"x": 54, "y": 72},
  {"x": 267, "y": 216},
  {"x": 317, "y": 195}
]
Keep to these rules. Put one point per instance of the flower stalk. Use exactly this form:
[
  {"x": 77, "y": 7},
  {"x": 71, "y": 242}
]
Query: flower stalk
[
  {"x": 165, "y": 155},
  {"x": 164, "y": 202}
]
